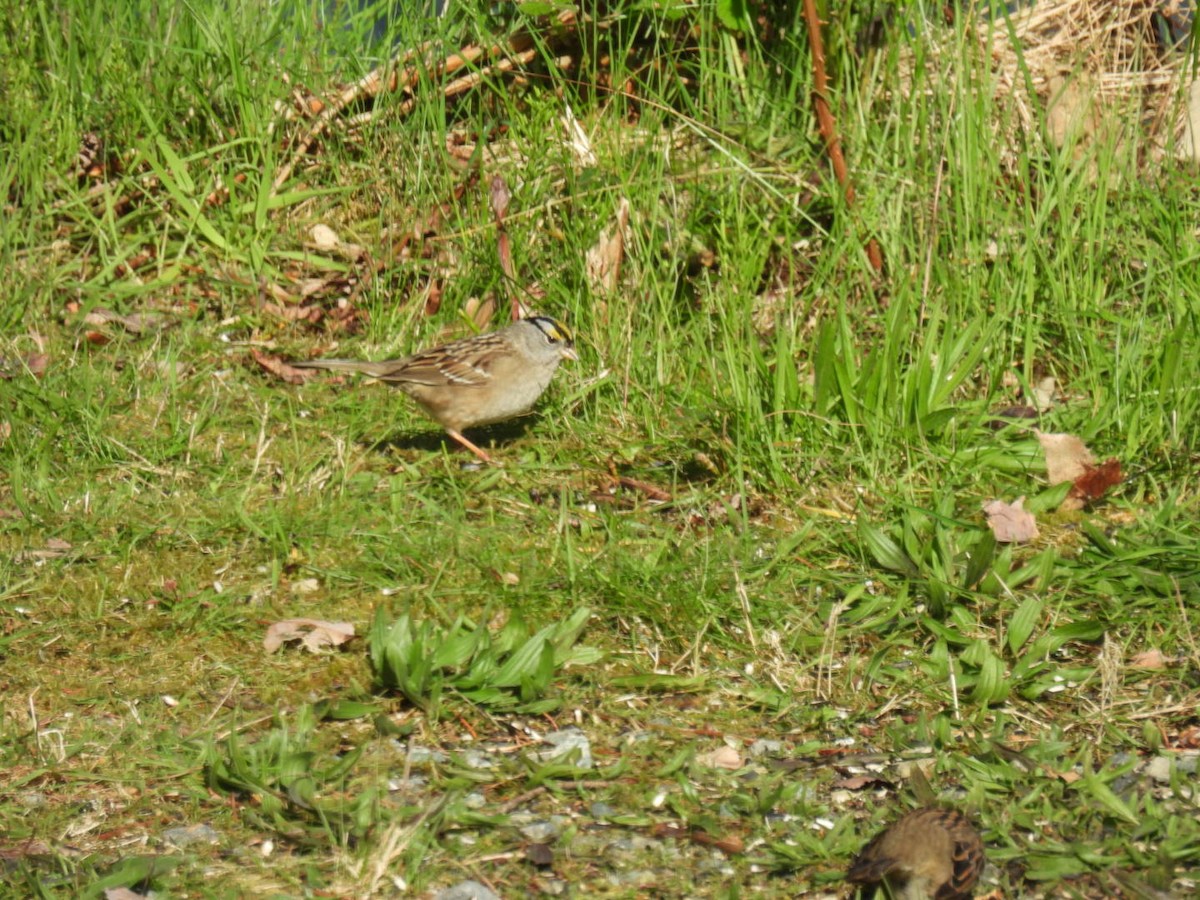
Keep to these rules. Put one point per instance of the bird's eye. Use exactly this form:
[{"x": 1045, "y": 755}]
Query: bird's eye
[{"x": 555, "y": 332}]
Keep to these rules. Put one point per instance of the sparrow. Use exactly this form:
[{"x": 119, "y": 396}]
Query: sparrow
[
  {"x": 927, "y": 854},
  {"x": 476, "y": 381}
]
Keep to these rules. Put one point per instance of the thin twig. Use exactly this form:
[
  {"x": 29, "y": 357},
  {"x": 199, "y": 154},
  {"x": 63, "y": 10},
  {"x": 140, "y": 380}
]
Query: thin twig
[{"x": 828, "y": 126}]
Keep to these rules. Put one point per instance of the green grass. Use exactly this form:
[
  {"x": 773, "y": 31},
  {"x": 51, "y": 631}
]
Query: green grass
[{"x": 821, "y": 577}]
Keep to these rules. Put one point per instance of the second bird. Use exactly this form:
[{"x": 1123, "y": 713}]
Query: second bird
[
  {"x": 927, "y": 854},
  {"x": 477, "y": 381}
]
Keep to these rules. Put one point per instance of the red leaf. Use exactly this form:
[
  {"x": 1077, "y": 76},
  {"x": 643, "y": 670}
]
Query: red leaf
[{"x": 1096, "y": 480}]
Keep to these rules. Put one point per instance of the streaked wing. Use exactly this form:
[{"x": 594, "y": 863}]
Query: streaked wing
[{"x": 461, "y": 364}]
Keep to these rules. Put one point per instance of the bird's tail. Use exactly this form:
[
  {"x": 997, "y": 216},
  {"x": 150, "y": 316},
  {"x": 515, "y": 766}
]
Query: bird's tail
[{"x": 374, "y": 369}]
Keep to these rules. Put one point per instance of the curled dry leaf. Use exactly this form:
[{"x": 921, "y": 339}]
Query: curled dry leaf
[
  {"x": 1067, "y": 457},
  {"x": 314, "y": 634},
  {"x": 1011, "y": 523},
  {"x": 603, "y": 263},
  {"x": 278, "y": 367}
]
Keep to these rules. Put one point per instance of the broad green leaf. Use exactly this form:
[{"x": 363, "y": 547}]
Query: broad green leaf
[
  {"x": 342, "y": 710},
  {"x": 1022, "y": 623},
  {"x": 733, "y": 14},
  {"x": 991, "y": 685},
  {"x": 979, "y": 560},
  {"x": 1094, "y": 785},
  {"x": 884, "y": 550}
]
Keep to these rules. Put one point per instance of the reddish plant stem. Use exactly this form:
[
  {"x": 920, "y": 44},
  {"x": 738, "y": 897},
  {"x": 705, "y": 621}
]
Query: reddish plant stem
[{"x": 826, "y": 123}]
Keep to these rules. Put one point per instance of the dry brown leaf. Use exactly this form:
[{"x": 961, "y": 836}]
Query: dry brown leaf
[
  {"x": 858, "y": 782},
  {"x": 1149, "y": 659},
  {"x": 723, "y": 757},
  {"x": 603, "y": 263},
  {"x": 480, "y": 312},
  {"x": 577, "y": 139},
  {"x": 278, "y": 367},
  {"x": 1096, "y": 480},
  {"x": 323, "y": 237},
  {"x": 1043, "y": 393},
  {"x": 728, "y": 844},
  {"x": 1188, "y": 739},
  {"x": 1011, "y": 523},
  {"x": 499, "y": 197},
  {"x": 26, "y": 848},
  {"x": 1067, "y": 457},
  {"x": 134, "y": 323},
  {"x": 314, "y": 634},
  {"x": 55, "y": 548},
  {"x": 36, "y": 363}
]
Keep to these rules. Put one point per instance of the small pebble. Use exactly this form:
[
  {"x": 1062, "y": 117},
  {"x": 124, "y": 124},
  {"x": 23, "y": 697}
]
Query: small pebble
[{"x": 467, "y": 890}]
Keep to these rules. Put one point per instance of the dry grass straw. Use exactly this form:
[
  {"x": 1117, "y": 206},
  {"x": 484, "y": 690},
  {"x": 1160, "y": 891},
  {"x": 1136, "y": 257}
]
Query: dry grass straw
[{"x": 1094, "y": 66}]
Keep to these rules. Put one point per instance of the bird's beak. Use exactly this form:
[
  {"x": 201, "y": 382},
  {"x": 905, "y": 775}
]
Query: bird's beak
[{"x": 569, "y": 353}]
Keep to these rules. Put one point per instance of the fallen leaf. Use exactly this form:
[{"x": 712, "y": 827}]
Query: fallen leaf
[
  {"x": 323, "y": 237},
  {"x": 577, "y": 138},
  {"x": 603, "y": 263},
  {"x": 723, "y": 757},
  {"x": 55, "y": 548},
  {"x": 26, "y": 848},
  {"x": 858, "y": 782},
  {"x": 1011, "y": 523},
  {"x": 728, "y": 844},
  {"x": 480, "y": 312},
  {"x": 1096, "y": 480},
  {"x": 294, "y": 313},
  {"x": 134, "y": 323},
  {"x": 499, "y": 197},
  {"x": 314, "y": 634},
  {"x": 1067, "y": 457},
  {"x": 1188, "y": 739},
  {"x": 276, "y": 366},
  {"x": 1149, "y": 659},
  {"x": 1043, "y": 393}
]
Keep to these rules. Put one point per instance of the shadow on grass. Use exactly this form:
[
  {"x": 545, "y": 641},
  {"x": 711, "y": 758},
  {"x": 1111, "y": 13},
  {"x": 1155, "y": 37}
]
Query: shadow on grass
[{"x": 489, "y": 438}]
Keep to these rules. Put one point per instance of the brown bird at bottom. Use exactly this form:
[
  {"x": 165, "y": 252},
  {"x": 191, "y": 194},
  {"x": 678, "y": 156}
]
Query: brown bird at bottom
[{"x": 927, "y": 854}]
